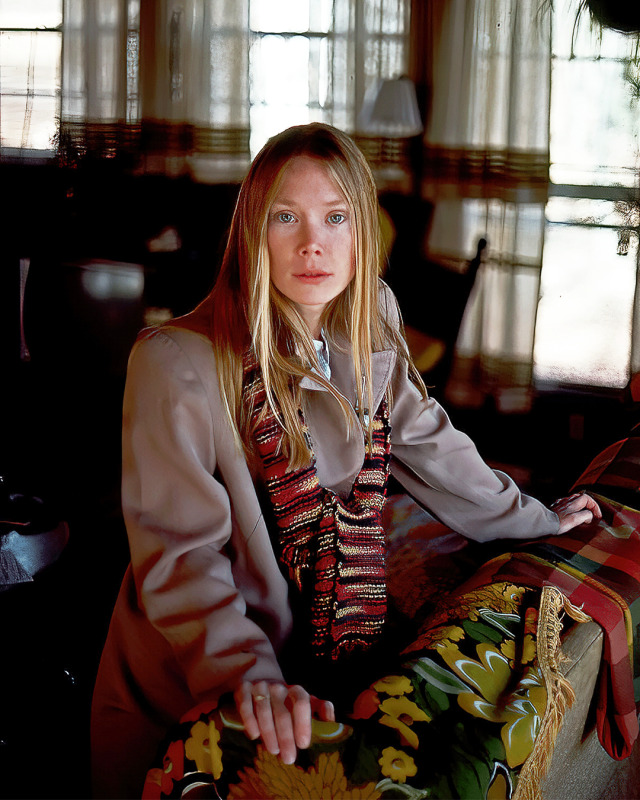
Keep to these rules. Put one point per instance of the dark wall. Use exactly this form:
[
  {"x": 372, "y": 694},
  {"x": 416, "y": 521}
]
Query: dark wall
[
  {"x": 61, "y": 420},
  {"x": 64, "y": 221}
]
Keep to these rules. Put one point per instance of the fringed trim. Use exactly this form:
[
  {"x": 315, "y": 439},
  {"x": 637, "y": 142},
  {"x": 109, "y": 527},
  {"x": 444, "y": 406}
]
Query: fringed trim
[{"x": 560, "y": 695}]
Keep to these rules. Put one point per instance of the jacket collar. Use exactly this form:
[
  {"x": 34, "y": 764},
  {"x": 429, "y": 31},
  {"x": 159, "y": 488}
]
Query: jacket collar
[{"x": 343, "y": 374}]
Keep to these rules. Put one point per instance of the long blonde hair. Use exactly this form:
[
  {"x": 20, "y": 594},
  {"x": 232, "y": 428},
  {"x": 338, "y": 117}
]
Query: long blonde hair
[{"x": 247, "y": 311}]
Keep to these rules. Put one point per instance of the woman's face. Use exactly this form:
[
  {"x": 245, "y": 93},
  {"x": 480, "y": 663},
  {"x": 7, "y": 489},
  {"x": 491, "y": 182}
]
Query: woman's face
[{"x": 310, "y": 239}]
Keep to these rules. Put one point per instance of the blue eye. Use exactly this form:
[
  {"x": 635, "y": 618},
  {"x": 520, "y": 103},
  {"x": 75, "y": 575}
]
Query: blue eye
[
  {"x": 337, "y": 218},
  {"x": 285, "y": 216}
]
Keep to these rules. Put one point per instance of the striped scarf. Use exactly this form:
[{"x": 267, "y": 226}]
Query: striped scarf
[{"x": 333, "y": 549}]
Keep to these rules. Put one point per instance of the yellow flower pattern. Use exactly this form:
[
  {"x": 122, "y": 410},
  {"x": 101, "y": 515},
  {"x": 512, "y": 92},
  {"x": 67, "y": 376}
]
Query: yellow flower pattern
[
  {"x": 394, "y": 685},
  {"x": 502, "y": 597},
  {"x": 397, "y": 765},
  {"x": 528, "y": 650},
  {"x": 521, "y": 712},
  {"x": 202, "y": 747},
  {"x": 272, "y": 779},
  {"x": 400, "y": 713}
]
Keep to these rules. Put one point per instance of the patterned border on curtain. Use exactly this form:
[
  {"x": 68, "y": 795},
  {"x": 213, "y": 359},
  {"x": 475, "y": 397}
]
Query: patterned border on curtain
[
  {"x": 507, "y": 174},
  {"x": 133, "y": 142}
]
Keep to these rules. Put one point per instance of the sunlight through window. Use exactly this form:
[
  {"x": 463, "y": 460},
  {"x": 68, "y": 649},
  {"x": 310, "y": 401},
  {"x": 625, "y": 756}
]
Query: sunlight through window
[
  {"x": 288, "y": 64},
  {"x": 30, "y": 51},
  {"x": 585, "y": 316}
]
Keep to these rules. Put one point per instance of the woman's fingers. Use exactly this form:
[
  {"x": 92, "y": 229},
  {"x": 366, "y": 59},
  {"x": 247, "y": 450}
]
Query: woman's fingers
[
  {"x": 254, "y": 704},
  {"x": 569, "y": 521},
  {"x": 248, "y": 698},
  {"x": 593, "y": 507},
  {"x": 284, "y": 722},
  {"x": 280, "y": 715},
  {"x": 577, "y": 501},
  {"x": 299, "y": 702},
  {"x": 265, "y": 709},
  {"x": 322, "y": 709},
  {"x": 576, "y": 510}
]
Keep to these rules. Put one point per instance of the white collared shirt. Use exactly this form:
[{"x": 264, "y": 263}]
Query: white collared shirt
[{"x": 322, "y": 349}]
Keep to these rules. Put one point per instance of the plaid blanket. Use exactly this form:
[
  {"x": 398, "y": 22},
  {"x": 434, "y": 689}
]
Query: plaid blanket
[{"x": 597, "y": 567}]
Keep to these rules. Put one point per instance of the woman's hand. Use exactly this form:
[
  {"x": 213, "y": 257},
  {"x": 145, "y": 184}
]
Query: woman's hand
[
  {"x": 280, "y": 715},
  {"x": 575, "y": 510}
]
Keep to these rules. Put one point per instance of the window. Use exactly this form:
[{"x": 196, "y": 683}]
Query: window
[
  {"x": 314, "y": 60},
  {"x": 302, "y": 60},
  {"x": 30, "y": 54},
  {"x": 584, "y": 328},
  {"x": 289, "y": 61}
]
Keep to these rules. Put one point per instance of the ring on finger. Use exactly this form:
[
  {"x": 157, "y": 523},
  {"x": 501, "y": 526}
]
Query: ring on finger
[{"x": 260, "y": 697}]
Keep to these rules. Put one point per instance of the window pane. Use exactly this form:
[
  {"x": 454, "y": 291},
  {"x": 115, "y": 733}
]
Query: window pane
[
  {"x": 29, "y": 122},
  {"x": 30, "y": 14},
  {"x": 133, "y": 14},
  {"x": 386, "y": 16},
  {"x": 608, "y": 213},
  {"x": 279, "y": 70},
  {"x": 30, "y": 63},
  {"x": 593, "y": 141},
  {"x": 584, "y": 321},
  {"x": 580, "y": 40},
  {"x": 583, "y": 332},
  {"x": 292, "y": 16},
  {"x": 595, "y": 89},
  {"x": 349, "y": 46},
  {"x": 279, "y": 74},
  {"x": 30, "y": 84}
]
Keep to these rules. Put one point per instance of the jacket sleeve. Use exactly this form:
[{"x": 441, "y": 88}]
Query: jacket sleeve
[
  {"x": 179, "y": 523},
  {"x": 442, "y": 469}
]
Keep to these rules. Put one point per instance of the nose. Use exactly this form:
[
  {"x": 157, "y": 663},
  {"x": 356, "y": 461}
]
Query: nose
[{"x": 310, "y": 243}]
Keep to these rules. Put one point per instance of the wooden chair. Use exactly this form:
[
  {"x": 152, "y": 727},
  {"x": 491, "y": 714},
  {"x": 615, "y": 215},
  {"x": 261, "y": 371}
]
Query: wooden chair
[{"x": 432, "y": 295}]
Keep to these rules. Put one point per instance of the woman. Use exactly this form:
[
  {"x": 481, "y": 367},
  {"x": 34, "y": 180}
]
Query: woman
[{"x": 260, "y": 432}]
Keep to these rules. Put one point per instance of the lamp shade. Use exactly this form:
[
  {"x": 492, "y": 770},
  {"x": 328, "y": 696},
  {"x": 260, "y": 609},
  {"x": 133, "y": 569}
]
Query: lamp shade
[{"x": 392, "y": 111}]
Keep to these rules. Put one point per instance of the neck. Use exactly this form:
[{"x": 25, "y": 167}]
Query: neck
[{"x": 313, "y": 321}]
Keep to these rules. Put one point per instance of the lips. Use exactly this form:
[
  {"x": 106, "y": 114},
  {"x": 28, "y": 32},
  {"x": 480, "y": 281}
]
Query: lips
[{"x": 312, "y": 277}]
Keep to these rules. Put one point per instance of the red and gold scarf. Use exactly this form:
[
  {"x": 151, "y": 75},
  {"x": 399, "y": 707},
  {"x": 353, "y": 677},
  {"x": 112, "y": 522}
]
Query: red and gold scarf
[{"x": 334, "y": 547}]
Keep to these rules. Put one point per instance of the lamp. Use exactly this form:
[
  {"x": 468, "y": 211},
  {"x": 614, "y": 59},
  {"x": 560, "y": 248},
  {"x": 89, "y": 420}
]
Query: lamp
[
  {"x": 392, "y": 111},
  {"x": 388, "y": 120}
]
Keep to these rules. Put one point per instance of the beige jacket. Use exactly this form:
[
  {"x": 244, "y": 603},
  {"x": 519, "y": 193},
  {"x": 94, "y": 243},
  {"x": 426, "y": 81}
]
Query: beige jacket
[{"x": 204, "y": 604}]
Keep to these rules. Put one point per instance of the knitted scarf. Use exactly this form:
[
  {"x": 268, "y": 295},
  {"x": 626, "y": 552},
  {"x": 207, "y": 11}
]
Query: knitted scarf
[{"x": 333, "y": 549}]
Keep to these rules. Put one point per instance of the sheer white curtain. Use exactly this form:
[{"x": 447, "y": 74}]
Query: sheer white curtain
[
  {"x": 166, "y": 79},
  {"x": 486, "y": 169},
  {"x": 188, "y": 79},
  {"x": 94, "y": 77}
]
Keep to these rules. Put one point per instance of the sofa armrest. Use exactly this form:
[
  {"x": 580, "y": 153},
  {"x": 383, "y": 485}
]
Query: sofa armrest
[{"x": 580, "y": 766}]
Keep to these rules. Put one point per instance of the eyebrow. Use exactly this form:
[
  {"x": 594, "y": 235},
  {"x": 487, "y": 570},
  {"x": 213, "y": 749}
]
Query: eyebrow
[{"x": 336, "y": 201}]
